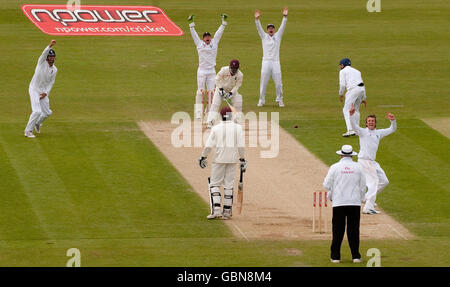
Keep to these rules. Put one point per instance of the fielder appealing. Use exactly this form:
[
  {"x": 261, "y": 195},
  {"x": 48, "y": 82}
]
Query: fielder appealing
[
  {"x": 346, "y": 184},
  {"x": 271, "y": 58},
  {"x": 228, "y": 81},
  {"x": 228, "y": 139},
  {"x": 369, "y": 139},
  {"x": 39, "y": 90},
  {"x": 207, "y": 54},
  {"x": 350, "y": 80}
]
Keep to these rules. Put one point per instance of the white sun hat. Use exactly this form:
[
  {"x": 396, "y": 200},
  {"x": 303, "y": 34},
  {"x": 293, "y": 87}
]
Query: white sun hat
[{"x": 346, "y": 150}]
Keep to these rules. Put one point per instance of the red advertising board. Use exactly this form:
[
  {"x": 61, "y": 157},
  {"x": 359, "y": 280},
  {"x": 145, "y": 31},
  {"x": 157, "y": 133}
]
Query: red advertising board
[{"x": 91, "y": 20}]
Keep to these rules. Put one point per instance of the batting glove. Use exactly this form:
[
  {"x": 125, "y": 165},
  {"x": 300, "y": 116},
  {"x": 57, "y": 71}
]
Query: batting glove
[
  {"x": 229, "y": 95},
  {"x": 243, "y": 164},
  {"x": 203, "y": 162},
  {"x": 191, "y": 18},
  {"x": 221, "y": 93}
]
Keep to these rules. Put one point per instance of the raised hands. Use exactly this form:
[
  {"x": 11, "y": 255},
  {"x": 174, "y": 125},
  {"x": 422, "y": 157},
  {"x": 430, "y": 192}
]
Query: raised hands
[
  {"x": 257, "y": 14},
  {"x": 390, "y": 117}
]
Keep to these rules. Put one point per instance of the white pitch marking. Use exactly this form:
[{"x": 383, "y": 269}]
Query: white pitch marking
[
  {"x": 391, "y": 106},
  {"x": 396, "y": 231},
  {"x": 238, "y": 229}
]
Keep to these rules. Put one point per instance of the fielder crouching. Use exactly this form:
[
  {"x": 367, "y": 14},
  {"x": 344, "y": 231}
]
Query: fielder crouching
[{"x": 228, "y": 139}]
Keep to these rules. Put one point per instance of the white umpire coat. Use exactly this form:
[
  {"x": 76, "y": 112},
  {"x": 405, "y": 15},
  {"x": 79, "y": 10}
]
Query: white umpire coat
[{"x": 346, "y": 183}]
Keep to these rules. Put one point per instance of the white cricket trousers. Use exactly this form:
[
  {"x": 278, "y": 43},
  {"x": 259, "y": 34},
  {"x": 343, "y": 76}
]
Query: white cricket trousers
[
  {"x": 270, "y": 69},
  {"x": 40, "y": 110},
  {"x": 236, "y": 100},
  {"x": 353, "y": 96},
  {"x": 205, "y": 89},
  {"x": 376, "y": 181},
  {"x": 222, "y": 174}
]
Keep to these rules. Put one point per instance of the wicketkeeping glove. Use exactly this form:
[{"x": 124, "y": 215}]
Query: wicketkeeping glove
[
  {"x": 191, "y": 18},
  {"x": 203, "y": 162},
  {"x": 224, "y": 18},
  {"x": 243, "y": 164}
]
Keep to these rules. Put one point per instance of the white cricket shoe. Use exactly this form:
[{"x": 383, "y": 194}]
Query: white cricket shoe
[
  {"x": 226, "y": 214},
  {"x": 37, "y": 128},
  {"x": 280, "y": 103},
  {"x": 335, "y": 261},
  {"x": 371, "y": 211},
  {"x": 357, "y": 260},
  {"x": 260, "y": 103},
  {"x": 215, "y": 215},
  {"x": 349, "y": 134},
  {"x": 30, "y": 134}
]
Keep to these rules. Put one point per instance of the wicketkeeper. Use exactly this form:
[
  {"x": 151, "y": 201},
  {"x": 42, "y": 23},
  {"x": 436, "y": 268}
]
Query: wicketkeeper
[
  {"x": 228, "y": 139},
  {"x": 206, "y": 72}
]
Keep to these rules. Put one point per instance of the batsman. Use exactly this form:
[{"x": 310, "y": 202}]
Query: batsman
[
  {"x": 228, "y": 139},
  {"x": 228, "y": 81}
]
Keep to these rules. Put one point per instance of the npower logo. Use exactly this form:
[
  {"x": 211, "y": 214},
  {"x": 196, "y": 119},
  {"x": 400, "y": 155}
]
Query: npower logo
[{"x": 91, "y": 20}]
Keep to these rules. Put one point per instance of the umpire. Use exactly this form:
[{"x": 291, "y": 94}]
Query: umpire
[{"x": 346, "y": 184}]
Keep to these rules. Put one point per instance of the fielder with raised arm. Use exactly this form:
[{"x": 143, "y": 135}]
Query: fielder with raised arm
[
  {"x": 350, "y": 80},
  {"x": 228, "y": 81},
  {"x": 369, "y": 139},
  {"x": 271, "y": 57},
  {"x": 206, "y": 72},
  {"x": 228, "y": 140},
  {"x": 39, "y": 90}
]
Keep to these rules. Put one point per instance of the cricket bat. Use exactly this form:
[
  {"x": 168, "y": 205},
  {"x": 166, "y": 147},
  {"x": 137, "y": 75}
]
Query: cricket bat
[
  {"x": 233, "y": 109},
  {"x": 240, "y": 192}
]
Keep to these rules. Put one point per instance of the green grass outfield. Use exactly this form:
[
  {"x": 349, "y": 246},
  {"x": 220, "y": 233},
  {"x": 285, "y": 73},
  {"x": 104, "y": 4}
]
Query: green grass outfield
[{"x": 93, "y": 181}]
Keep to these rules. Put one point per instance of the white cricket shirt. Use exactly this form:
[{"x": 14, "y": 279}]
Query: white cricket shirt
[
  {"x": 348, "y": 79},
  {"x": 230, "y": 83},
  {"x": 346, "y": 183},
  {"x": 228, "y": 139},
  {"x": 271, "y": 44},
  {"x": 370, "y": 139},
  {"x": 207, "y": 54},
  {"x": 44, "y": 75}
]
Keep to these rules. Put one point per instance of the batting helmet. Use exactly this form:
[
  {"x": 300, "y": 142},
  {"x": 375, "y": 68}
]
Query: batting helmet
[
  {"x": 345, "y": 62},
  {"x": 225, "y": 112},
  {"x": 234, "y": 64},
  {"x": 51, "y": 53}
]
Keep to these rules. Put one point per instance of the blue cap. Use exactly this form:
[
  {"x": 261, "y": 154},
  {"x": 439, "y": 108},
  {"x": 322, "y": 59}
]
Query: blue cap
[
  {"x": 51, "y": 53},
  {"x": 346, "y": 62}
]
